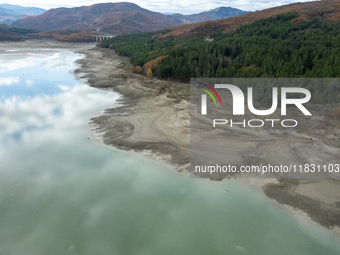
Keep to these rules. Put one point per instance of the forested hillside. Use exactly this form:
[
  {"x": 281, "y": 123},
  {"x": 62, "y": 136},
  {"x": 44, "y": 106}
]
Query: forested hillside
[
  {"x": 325, "y": 10},
  {"x": 272, "y": 47},
  {"x": 10, "y": 33}
]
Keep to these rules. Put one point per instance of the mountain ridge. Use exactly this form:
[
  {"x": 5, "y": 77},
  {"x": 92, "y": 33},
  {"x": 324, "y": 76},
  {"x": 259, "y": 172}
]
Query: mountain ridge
[
  {"x": 221, "y": 12},
  {"x": 10, "y": 13},
  {"x": 224, "y": 12},
  {"x": 18, "y": 9},
  {"x": 114, "y": 18},
  {"x": 325, "y": 10}
]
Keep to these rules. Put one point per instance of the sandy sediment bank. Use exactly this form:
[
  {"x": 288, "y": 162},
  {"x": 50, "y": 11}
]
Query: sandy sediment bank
[
  {"x": 146, "y": 121},
  {"x": 149, "y": 122},
  {"x": 44, "y": 44}
]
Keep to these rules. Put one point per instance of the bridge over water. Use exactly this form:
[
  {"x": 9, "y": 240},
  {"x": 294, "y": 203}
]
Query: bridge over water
[{"x": 99, "y": 38}]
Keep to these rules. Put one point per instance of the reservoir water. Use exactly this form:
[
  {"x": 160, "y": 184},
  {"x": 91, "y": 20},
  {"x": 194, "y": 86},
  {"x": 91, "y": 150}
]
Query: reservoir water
[{"x": 61, "y": 192}]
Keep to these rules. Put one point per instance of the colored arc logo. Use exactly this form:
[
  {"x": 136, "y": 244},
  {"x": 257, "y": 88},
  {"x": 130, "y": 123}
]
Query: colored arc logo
[{"x": 208, "y": 92}]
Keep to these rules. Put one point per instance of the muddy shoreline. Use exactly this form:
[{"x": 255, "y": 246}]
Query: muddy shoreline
[{"x": 149, "y": 122}]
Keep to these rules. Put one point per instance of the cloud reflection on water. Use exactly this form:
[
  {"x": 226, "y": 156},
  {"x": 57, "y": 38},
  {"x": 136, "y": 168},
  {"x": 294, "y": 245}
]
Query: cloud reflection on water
[
  {"x": 41, "y": 73},
  {"x": 48, "y": 60},
  {"x": 71, "y": 108},
  {"x": 7, "y": 81}
]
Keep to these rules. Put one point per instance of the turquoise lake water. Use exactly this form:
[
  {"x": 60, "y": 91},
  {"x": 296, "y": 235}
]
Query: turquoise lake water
[{"x": 61, "y": 192}]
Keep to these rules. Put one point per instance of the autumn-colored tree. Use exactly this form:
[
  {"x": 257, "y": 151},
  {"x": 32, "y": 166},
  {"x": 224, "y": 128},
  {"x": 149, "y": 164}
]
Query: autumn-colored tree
[
  {"x": 149, "y": 73},
  {"x": 75, "y": 37},
  {"x": 151, "y": 65},
  {"x": 137, "y": 69},
  {"x": 336, "y": 113}
]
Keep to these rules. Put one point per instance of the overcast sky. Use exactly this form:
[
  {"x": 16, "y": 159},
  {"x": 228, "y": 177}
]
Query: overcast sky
[{"x": 168, "y": 6}]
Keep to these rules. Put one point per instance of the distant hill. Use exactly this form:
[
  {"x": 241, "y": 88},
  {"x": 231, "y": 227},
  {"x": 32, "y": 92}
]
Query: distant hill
[
  {"x": 10, "y": 33},
  {"x": 10, "y": 13},
  {"x": 224, "y": 12},
  {"x": 10, "y": 30},
  {"x": 295, "y": 40},
  {"x": 21, "y": 10},
  {"x": 214, "y": 14},
  {"x": 324, "y": 10},
  {"x": 115, "y": 18}
]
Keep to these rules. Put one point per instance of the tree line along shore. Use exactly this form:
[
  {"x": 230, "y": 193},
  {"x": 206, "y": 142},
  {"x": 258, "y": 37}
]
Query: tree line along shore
[{"x": 271, "y": 47}]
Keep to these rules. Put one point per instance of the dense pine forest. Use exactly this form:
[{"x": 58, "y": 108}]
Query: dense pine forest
[
  {"x": 10, "y": 33},
  {"x": 271, "y": 47}
]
